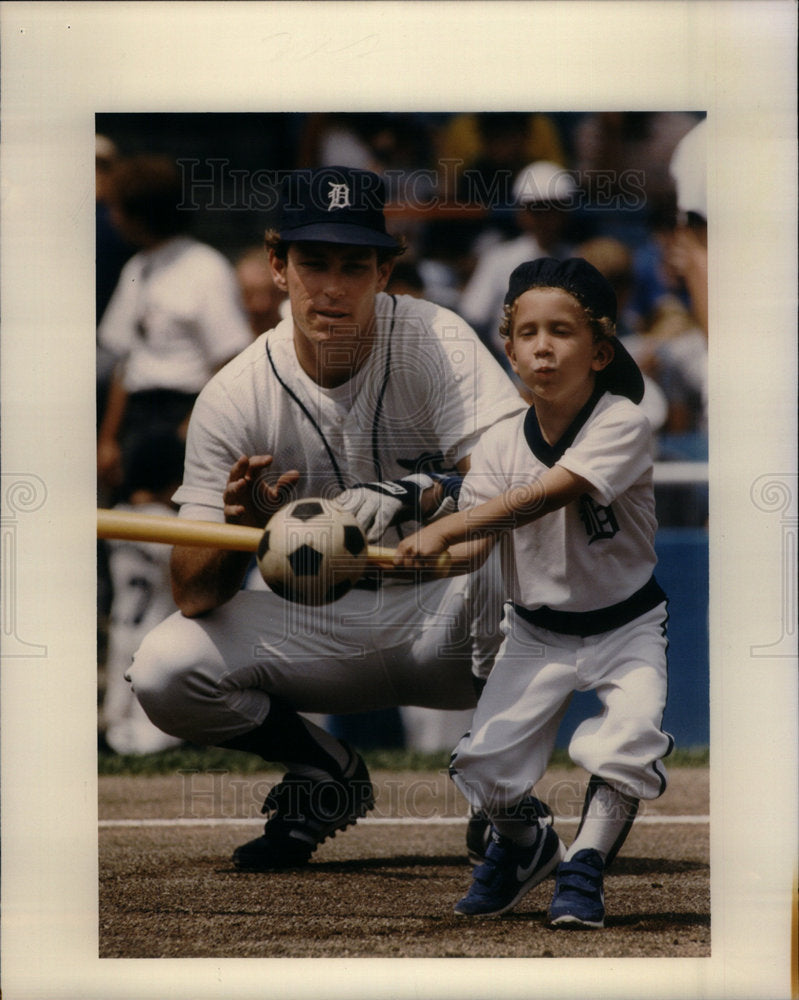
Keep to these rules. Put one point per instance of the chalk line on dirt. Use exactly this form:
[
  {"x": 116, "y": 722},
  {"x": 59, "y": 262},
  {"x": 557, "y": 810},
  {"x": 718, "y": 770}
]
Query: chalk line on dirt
[{"x": 380, "y": 821}]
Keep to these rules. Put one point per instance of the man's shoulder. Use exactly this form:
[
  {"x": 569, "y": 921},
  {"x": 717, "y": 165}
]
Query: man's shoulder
[
  {"x": 408, "y": 308},
  {"x": 274, "y": 348},
  {"x": 404, "y": 305},
  {"x": 242, "y": 368}
]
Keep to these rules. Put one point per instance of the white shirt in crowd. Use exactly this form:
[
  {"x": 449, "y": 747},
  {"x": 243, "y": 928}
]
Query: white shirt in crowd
[{"x": 174, "y": 317}]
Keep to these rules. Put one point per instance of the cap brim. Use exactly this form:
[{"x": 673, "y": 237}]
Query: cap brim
[
  {"x": 623, "y": 376},
  {"x": 339, "y": 232}
]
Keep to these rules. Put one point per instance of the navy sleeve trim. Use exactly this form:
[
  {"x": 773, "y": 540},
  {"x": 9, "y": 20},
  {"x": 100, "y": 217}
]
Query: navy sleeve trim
[{"x": 547, "y": 453}]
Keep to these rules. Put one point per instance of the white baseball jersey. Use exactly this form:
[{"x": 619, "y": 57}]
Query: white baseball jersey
[
  {"x": 597, "y": 550},
  {"x": 424, "y": 396},
  {"x": 174, "y": 317}
]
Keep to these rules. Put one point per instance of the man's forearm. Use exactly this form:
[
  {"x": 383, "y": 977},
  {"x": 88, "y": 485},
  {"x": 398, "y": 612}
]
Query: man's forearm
[{"x": 204, "y": 579}]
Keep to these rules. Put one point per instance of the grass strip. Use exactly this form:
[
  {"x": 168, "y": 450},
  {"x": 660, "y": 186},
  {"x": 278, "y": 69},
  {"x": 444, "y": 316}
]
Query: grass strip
[{"x": 191, "y": 758}]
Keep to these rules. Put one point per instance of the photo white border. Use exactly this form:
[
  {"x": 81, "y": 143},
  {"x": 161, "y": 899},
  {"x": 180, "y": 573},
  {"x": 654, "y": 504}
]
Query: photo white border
[{"x": 61, "y": 63}]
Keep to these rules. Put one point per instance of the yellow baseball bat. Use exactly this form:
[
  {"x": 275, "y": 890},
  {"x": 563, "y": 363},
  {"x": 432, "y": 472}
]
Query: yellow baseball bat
[{"x": 136, "y": 527}]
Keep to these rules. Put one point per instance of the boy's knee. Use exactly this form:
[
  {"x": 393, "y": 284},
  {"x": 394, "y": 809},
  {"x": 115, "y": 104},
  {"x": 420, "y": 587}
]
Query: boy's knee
[
  {"x": 629, "y": 760},
  {"x": 484, "y": 786}
]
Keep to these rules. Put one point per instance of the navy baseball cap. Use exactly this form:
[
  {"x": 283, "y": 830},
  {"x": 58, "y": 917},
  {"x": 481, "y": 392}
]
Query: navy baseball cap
[
  {"x": 334, "y": 205},
  {"x": 592, "y": 290}
]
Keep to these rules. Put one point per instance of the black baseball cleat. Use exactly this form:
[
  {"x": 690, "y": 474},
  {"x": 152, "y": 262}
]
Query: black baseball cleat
[{"x": 305, "y": 812}]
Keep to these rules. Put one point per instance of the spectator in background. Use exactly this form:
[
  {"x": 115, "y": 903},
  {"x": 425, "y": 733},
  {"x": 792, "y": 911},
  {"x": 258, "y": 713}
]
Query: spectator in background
[
  {"x": 261, "y": 297},
  {"x": 486, "y": 146},
  {"x": 392, "y": 145},
  {"x": 335, "y": 140},
  {"x": 688, "y": 168},
  {"x": 142, "y": 595},
  {"x": 621, "y": 159},
  {"x": 543, "y": 194},
  {"x": 175, "y": 316},
  {"x": 111, "y": 253},
  {"x": 479, "y": 155},
  {"x": 614, "y": 261},
  {"x": 683, "y": 353},
  {"x": 112, "y": 250},
  {"x": 445, "y": 259}
]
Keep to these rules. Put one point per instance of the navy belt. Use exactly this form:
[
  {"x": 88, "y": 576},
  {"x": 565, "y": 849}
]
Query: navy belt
[{"x": 585, "y": 623}]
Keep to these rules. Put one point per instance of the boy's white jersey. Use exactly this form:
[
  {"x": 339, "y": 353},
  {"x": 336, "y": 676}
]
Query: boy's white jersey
[
  {"x": 427, "y": 392},
  {"x": 597, "y": 550}
]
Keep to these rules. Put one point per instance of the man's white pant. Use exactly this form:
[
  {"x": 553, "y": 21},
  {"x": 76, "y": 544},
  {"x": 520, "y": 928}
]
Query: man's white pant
[
  {"x": 209, "y": 679},
  {"x": 536, "y": 672}
]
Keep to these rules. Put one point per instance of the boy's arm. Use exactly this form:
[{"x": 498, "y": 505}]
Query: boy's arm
[{"x": 470, "y": 533}]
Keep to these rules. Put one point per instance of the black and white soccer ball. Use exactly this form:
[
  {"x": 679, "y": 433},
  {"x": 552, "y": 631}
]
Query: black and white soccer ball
[{"x": 312, "y": 552}]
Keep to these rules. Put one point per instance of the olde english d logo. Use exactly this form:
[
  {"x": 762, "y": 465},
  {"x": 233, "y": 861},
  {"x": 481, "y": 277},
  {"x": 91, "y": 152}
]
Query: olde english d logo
[
  {"x": 599, "y": 522},
  {"x": 338, "y": 196}
]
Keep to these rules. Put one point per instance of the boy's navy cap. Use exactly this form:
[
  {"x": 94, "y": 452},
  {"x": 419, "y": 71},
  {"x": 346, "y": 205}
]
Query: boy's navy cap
[
  {"x": 334, "y": 205},
  {"x": 575, "y": 276},
  {"x": 590, "y": 287}
]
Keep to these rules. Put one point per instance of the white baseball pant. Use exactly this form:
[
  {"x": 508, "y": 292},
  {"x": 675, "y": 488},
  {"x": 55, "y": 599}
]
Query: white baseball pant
[
  {"x": 208, "y": 679},
  {"x": 528, "y": 691}
]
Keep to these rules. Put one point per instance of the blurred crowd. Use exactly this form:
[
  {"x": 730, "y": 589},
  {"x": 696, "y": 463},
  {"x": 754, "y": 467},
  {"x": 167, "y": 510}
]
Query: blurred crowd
[{"x": 182, "y": 286}]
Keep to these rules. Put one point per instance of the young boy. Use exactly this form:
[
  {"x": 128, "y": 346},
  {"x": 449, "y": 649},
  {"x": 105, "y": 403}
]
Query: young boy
[{"x": 574, "y": 483}]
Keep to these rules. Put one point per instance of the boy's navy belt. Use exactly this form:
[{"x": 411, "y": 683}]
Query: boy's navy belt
[{"x": 585, "y": 623}]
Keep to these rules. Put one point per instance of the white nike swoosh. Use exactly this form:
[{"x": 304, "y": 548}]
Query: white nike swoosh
[{"x": 522, "y": 874}]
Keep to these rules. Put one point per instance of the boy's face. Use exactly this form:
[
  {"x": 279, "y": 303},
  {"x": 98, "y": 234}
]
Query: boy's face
[
  {"x": 552, "y": 347},
  {"x": 332, "y": 289}
]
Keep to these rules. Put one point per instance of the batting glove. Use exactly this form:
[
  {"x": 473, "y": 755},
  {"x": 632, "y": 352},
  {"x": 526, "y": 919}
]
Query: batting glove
[
  {"x": 451, "y": 488},
  {"x": 377, "y": 506}
]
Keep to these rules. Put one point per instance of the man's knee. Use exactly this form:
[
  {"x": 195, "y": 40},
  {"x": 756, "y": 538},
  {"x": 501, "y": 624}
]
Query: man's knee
[{"x": 166, "y": 673}]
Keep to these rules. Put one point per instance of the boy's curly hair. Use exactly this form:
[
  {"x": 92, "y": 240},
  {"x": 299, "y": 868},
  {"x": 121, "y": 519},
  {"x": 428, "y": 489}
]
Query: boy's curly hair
[{"x": 602, "y": 327}]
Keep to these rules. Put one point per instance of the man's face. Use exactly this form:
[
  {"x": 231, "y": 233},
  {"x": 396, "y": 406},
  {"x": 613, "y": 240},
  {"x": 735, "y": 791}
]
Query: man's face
[{"x": 332, "y": 289}]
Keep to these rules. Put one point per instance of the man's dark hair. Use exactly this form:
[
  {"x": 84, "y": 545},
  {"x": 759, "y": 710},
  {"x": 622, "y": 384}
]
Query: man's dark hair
[{"x": 273, "y": 241}]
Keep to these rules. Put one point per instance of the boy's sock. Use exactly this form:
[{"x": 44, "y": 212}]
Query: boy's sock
[
  {"x": 520, "y": 831},
  {"x": 607, "y": 817},
  {"x": 521, "y": 823}
]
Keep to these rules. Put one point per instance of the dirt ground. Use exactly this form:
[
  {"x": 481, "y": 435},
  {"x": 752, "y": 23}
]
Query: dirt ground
[{"x": 382, "y": 889}]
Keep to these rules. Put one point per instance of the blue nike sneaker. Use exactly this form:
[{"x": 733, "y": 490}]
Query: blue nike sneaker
[
  {"x": 508, "y": 872},
  {"x": 579, "y": 899},
  {"x": 478, "y": 830}
]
